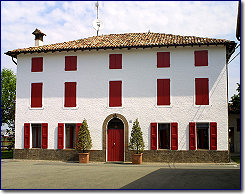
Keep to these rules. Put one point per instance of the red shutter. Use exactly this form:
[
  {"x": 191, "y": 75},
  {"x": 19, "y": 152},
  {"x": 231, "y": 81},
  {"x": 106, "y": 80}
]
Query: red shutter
[
  {"x": 36, "y": 95},
  {"x": 213, "y": 136},
  {"x": 67, "y": 63},
  {"x": 78, "y": 127},
  {"x": 115, "y": 93},
  {"x": 70, "y": 63},
  {"x": 27, "y": 135},
  {"x": 163, "y": 59},
  {"x": 60, "y": 135},
  {"x": 74, "y": 63},
  {"x": 192, "y": 136},
  {"x": 153, "y": 136},
  {"x": 174, "y": 136},
  {"x": 115, "y": 61},
  {"x": 37, "y": 64},
  {"x": 67, "y": 94},
  {"x": 70, "y": 94},
  {"x": 202, "y": 91},
  {"x": 73, "y": 94},
  {"x": 44, "y": 135},
  {"x": 163, "y": 92},
  {"x": 201, "y": 58}
]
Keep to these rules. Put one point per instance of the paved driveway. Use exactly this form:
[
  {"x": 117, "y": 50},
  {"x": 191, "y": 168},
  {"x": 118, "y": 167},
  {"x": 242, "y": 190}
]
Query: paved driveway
[{"x": 32, "y": 174}]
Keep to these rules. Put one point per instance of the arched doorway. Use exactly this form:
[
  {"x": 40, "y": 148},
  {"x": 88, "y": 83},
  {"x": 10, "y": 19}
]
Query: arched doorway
[
  {"x": 105, "y": 131},
  {"x": 115, "y": 140}
]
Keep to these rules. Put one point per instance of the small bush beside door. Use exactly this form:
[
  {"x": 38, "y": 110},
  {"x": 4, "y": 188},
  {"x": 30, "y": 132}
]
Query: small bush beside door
[
  {"x": 84, "y": 142},
  {"x": 137, "y": 143}
]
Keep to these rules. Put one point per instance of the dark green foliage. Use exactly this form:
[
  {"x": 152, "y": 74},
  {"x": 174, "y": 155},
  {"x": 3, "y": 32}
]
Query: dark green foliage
[
  {"x": 136, "y": 139},
  {"x": 236, "y": 159},
  {"x": 7, "y": 154},
  {"x": 235, "y": 101},
  {"x": 12, "y": 142},
  {"x": 8, "y": 87},
  {"x": 84, "y": 141}
]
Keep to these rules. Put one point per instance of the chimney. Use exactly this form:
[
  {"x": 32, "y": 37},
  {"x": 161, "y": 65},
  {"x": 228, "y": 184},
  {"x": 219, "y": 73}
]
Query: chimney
[{"x": 38, "y": 37}]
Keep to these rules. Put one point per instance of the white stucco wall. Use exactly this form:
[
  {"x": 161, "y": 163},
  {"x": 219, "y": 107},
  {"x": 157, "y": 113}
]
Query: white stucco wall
[{"x": 139, "y": 75}]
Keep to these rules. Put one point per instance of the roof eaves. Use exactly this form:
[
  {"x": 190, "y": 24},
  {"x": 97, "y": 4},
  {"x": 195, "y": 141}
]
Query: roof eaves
[{"x": 15, "y": 53}]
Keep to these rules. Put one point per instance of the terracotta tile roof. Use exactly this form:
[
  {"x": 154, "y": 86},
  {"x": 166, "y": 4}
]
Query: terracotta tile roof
[{"x": 128, "y": 40}]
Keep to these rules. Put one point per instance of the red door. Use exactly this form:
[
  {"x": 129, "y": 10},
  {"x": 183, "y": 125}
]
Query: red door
[{"x": 115, "y": 144}]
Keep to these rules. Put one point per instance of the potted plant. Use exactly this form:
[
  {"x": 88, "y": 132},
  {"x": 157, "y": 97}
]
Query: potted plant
[
  {"x": 84, "y": 142},
  {"x": 136, "y": 143}
]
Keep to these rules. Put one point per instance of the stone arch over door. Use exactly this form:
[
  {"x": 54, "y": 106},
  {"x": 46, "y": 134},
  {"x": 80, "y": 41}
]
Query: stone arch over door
[{"x": 125, "y": 122}]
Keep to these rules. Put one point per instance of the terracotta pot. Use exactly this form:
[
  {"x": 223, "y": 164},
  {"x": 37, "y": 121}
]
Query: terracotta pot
[
  {"x": 137, "y": 158},
  {"x": 83, "y": 157}
]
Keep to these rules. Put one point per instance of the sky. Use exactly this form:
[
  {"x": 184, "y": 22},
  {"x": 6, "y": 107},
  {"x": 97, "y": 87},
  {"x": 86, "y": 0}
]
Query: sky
[{"x": 70, "y": 20}]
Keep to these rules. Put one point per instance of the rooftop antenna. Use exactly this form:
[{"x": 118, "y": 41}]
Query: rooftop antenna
[
  {"x": 97, "y": 24},
  {"x": 97, "y": 7}
]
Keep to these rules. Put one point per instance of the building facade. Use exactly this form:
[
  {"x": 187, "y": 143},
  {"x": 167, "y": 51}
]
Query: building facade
[{"x": 175, "y": 85}]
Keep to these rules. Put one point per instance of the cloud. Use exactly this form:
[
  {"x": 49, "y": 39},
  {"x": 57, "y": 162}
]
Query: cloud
[
  {"x": 71, "y": 20},
  {"x": 185, "y": 18}
]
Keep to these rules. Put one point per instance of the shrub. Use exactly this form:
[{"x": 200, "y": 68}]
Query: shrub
[
  {"x": 84, "y": 141},
  {"x": 136, "y": 139}
]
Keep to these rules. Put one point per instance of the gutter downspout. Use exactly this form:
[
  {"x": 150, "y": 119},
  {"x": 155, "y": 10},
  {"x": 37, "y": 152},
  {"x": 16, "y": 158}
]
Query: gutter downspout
[{"x": 14, "y": 61}]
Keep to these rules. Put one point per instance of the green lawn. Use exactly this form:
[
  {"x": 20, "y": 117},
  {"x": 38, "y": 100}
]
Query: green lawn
[
  {"x": 6, "y": 154},
  {"x": 236, "y": 159}
]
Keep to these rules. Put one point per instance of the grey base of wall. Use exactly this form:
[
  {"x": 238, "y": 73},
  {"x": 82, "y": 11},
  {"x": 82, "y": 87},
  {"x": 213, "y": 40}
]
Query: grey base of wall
[
  {"x": 182, "y": 156},
  {"x": 63, "y": 155}
]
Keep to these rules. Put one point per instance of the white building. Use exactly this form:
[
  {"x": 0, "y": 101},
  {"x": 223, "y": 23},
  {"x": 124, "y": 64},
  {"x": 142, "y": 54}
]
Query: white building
[{"x": 175, "y": 85}]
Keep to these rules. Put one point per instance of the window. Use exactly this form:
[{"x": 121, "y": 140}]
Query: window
[
  {"x": 203, "y": 136},
  {"x": 163, "y": 59},
  {"x": 163, "y": 92},
  {"x": 238, "y": 125},
  {"x": 36, "y": 95},
  {"x": 201, "y": 58},
  {"x": 164, "y": 136},
  {"x": 39, "y": 135},
  {"x": 71, "y": 133},
  {"x": 115, "y": 61},
  {"x": 70, "y": 63},
  {"x": 115, "y": 123},
  {"x": 37, "y": 64},
  {"x": 36, "y": 135},
  {"x": 70, "y": 94},
  {"x": 115, "y": 93},
  {"x": 202, "y": 91}
]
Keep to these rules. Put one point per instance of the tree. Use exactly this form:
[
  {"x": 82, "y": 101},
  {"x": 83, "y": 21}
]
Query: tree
[
  {"x": 8, "y": 97},
  {"x": 136, "y": 139},
  {"x": 84, "y": 141},
  {"x": 235, "y": 100}
]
